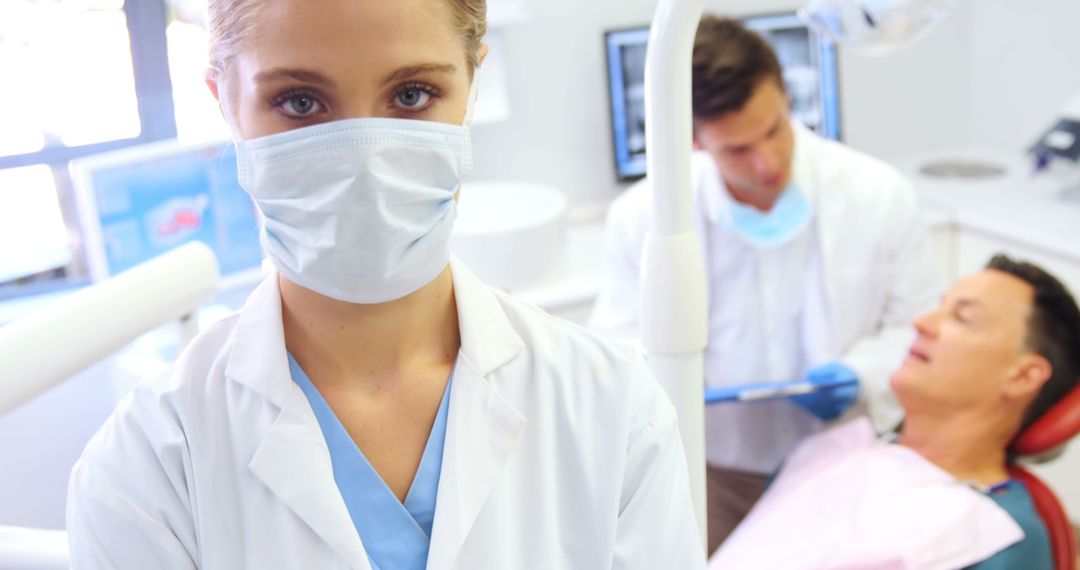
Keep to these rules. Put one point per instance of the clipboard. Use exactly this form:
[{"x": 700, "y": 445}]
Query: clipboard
[{"x": 761, "y": 391}]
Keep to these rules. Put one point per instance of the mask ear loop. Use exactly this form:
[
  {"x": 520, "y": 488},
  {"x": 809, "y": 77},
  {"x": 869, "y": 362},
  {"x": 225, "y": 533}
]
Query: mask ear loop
[
  {"x": 474, "y": 88},
  {"x": 224, "y": 106}
]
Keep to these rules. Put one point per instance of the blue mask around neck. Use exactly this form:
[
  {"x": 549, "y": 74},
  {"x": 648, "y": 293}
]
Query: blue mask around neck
[{"x": 789, "y": 216}]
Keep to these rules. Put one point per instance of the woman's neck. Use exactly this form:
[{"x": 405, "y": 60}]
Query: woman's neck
[{"x": 353, "y": 342}]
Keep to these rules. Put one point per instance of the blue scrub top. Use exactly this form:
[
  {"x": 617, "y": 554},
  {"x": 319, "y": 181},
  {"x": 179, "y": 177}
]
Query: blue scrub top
[{"x": 396, "y": 535}]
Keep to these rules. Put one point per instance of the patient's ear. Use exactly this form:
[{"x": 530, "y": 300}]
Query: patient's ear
[{"x": 1029, "y": 376}]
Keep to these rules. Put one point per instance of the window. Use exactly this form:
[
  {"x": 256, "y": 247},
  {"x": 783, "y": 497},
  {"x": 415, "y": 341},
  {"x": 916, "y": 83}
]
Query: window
[
  {"x": 85, "y": 77},
  {"x": 197, "y": 116}
]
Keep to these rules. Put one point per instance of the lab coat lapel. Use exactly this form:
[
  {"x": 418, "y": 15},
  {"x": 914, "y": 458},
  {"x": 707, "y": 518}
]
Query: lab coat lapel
[
  {"x": 292, "y": 460},
  {"x": 482, "y": 428},
  {"x": 294, "y": 463},
  {"x": 258, "y": 359},
  {"x": 811, "y": 177}
]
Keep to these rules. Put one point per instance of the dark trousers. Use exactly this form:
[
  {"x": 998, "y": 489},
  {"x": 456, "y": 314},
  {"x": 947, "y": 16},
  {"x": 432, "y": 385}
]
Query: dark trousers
[{"x": 729, "y": 495}]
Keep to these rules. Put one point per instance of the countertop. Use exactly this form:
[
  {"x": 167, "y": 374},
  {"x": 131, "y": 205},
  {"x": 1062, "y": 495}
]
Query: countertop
[{"x": 1019, "y": 205}]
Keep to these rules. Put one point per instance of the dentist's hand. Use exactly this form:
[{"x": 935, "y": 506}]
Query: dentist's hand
[{"x": 830, "y": 402}]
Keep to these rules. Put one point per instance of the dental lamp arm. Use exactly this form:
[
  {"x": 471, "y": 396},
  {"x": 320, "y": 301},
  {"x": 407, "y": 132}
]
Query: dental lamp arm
[
  {"x": 40, "y": 350},
  {"x": 673, "y": 325}
]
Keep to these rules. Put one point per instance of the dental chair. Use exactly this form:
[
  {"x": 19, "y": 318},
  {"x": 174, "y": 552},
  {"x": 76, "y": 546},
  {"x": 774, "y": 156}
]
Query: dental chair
[{"x": 1055, "y": 428}]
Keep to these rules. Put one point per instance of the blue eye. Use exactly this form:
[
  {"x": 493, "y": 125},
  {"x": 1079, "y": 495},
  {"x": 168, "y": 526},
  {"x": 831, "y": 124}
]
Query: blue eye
[
  {"x": 301, "y": 105},
  {"x": 298, "y": 104},
  {"x": 414, "y": 97}
]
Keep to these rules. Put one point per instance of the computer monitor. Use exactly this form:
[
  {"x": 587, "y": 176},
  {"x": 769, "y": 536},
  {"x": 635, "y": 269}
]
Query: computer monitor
[
  {"x": 809, "y": 65},
  {"x": 137, "y": 203}
]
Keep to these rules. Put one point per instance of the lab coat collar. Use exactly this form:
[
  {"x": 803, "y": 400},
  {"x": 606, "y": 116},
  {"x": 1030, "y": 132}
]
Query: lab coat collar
[
  {"x": 482, "y": 430},
  {"x": 259, "y": 359},
  {"x": 488, "y": 339},
  {"x": 293, "y": 452},
  {"x": 804, "y": 174},
  {"x": 828, "y": 216},
  {"x": 294, "y": 463}
]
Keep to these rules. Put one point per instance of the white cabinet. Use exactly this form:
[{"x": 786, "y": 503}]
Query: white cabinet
[{"x": 942, "y": 236}]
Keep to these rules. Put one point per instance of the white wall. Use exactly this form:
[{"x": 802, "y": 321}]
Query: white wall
[
  {"x": 1023, "y": 67},
  {"x": 40, "y": 442},
  {"x": 559, "y": 130},
  {"x": 914, "y": 100}
]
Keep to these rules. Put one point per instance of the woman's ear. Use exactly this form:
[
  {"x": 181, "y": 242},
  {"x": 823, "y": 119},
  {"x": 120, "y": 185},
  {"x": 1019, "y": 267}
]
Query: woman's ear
[
  {"x": 213, "y": 77},
  {"x": 210, "y": 76},
  {"x": 482, "y": 53}
]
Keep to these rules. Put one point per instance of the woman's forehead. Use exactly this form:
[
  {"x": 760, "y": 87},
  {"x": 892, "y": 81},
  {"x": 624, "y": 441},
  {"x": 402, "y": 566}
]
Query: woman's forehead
[{"x": 372, "y": 30}]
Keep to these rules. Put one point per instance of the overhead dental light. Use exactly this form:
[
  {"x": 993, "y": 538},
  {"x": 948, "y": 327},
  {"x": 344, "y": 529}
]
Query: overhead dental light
[{"x": 874, "y": 27}]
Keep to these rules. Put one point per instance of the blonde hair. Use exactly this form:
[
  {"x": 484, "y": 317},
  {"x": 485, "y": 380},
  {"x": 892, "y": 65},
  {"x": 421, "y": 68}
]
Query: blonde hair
[
  {"x": 471, "y": 16},
  {"x": 230, "y": 22}
]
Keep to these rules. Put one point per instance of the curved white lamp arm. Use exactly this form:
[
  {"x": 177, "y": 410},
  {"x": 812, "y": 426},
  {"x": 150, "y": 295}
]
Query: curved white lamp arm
[
  {"x": 46, "y": 347},
  {"x": 674, "y": 325}
]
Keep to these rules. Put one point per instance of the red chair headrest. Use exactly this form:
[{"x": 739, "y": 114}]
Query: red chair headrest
[{"x": 1055, "y": 427}]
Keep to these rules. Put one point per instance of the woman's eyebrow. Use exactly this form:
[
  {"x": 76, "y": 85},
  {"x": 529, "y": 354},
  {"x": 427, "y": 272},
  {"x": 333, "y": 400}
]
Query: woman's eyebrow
[
  {"x": 414, "y": 70},
  {"x": 304, "y": 75}
]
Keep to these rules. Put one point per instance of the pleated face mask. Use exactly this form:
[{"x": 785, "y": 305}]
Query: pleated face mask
[
  {"x": 789, "y": 216},
  {"x": 359, "y": 210}
]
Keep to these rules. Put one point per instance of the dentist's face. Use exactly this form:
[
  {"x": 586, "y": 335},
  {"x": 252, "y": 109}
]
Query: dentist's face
[
  {"x": 312, "y": 61},
  {"x": 752, "y": 147}
]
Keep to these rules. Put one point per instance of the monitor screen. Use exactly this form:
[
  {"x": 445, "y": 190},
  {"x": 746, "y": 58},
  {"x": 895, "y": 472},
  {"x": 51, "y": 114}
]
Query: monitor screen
[
  {"x": 138, "y": 203},
  {"x": 810, "y": 75}
]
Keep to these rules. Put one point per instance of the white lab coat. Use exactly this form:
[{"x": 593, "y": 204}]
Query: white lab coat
[
  {"x": 876, "y": 273},
  {"x": 561, "y": 452}
]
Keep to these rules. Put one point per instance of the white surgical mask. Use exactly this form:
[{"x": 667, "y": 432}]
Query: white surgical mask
[
  {"x": 788, "y": 217},
  {"x": 359, "y": 210}
]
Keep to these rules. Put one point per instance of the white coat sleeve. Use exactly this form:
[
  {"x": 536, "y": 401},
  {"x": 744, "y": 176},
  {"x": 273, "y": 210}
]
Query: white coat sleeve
[
  {"x": 656, "y": 526},
  {"x": 617, "y": 311},
  {"x": 126, "y": 505},
  {"x": 912, "y": 285}
]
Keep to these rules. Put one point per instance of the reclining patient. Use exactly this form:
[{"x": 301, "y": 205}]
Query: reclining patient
[{"x": 1000, "y": 350}]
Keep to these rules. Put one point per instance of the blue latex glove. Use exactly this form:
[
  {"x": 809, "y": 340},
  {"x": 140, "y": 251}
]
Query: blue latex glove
[{"x": 840, "y": 388}]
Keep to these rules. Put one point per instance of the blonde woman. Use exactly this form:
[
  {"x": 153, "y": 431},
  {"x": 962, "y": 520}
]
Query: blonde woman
[{"x": 373, "y": 405}]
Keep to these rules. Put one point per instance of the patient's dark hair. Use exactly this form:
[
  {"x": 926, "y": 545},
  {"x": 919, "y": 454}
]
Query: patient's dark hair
[
  {"x": 1053, "y": 331},
  {"x": 728, "y": 64}
]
